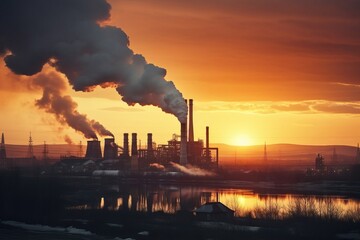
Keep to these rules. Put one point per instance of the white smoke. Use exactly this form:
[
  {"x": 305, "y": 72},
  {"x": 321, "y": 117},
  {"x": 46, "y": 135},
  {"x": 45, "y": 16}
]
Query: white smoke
[{"x": 192, "y": 170}]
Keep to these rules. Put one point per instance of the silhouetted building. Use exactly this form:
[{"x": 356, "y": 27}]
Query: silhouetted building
[
  {"x": 214, "y": 211},
  {"x": 2, "y": 147}
]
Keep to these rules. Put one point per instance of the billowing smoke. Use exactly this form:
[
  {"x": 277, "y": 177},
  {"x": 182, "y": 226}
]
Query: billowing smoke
[
  {"x": 191, "y": 170},
  {"x": 71, "y": 36},
  {"x": 62, "y": 106}
]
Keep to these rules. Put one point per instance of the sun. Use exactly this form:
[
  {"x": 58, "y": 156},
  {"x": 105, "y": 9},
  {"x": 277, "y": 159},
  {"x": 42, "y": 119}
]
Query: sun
[{"x": 242, "y": 140}]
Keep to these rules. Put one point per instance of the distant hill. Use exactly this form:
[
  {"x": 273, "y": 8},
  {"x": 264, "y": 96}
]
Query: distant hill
[{"x": 286, "y": 152}]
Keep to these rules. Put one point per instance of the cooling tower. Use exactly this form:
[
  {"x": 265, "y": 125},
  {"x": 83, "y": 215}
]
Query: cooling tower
[
  {"x": 110, "y": 149},
  {"x": 93, "y": 150},
  {"x": 126, "y": 145}
]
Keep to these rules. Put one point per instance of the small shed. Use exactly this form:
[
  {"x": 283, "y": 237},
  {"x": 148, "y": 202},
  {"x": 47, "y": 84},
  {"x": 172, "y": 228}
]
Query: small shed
[{"x": 214, "y": 211}]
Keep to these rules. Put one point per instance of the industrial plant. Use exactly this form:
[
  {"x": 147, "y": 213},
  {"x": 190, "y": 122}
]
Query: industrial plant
[{"x": 181, "y": 149}]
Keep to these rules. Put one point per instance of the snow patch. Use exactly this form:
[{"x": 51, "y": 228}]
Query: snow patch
[{"x": 46, "y": 228}]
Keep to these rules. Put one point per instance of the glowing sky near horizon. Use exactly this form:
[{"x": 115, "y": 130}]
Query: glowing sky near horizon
[{"x": 267, "y": 70}]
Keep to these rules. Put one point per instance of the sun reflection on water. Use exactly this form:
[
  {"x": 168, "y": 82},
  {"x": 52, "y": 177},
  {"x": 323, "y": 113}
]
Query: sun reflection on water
[{"x": 245, "y": 203}]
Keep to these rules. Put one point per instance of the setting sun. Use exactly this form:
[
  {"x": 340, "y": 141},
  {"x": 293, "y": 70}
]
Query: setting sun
[{"x": 242, "y": 140}]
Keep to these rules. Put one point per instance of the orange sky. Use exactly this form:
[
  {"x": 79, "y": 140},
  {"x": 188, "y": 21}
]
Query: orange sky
[{"x": 268, "y": 70}]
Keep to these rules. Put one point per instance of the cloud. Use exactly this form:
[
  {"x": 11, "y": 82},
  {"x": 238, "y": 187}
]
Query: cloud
[
  {"x": 304, "y": 9},
  {"x": 265, "y": 49},
  {"x": 335, "y": 107},
  {"x": 302, "y": 107}
]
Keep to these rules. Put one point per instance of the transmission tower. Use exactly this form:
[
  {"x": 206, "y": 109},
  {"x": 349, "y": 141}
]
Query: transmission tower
[{"x": 30, "y": 153}]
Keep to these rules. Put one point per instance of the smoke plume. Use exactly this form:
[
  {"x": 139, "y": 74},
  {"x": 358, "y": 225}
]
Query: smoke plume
[
  {"x": 63, "y": 107},
  {"x": 71, "y": 36},
  {"x": 191, "y": 170}
]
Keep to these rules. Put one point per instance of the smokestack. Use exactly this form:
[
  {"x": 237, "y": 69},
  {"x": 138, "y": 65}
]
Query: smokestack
[
  {"x": 149, "y": 145},
  {"x": 207, "y": 144},
  {"x": 93, "y": 150},
  {"x": 110, "y": 149},
  {"x": 149, "y": 142},
  {"x": 191, "y": 126},
  {"x": 134, "y": 150},
  {"x": 126, "y": 145},
  {"x": 183, "y": 144}
]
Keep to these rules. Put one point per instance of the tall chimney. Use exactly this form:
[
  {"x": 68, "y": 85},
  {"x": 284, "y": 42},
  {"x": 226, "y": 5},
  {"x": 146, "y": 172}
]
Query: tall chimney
[
  {"x": 110, "y": 149},
  {"x": 183, "y": 141},
  {"x": 191, "y": 124},
  {"x": 149, "y": 142},
  {"x": 183, "y": 144},
  {"x": 207, "y": 151},
  {"x": 149, "y": 145},
  {"x": 134, "y": 150},
  {"x": 126, "y": 145}
]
